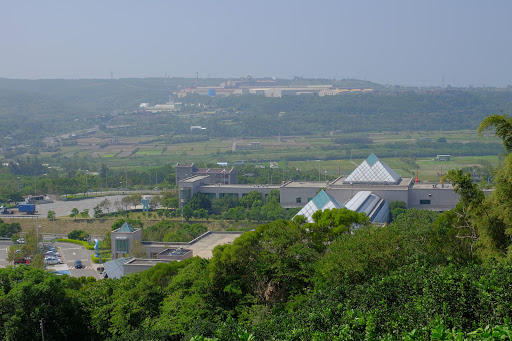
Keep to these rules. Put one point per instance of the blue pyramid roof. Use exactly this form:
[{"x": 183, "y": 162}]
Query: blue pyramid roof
[{"x": 126, "y": 228}]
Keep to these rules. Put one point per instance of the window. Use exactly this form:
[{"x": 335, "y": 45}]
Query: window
[
  {"x": 298, "y": 200},
  {"x": 309, "y": 199},
  {"x": 122, "y": 245},
  {"x": 424, "y": 202}
]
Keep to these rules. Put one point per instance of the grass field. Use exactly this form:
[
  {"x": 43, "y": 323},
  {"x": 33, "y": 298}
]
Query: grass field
[
  {"x": 146, "y": 151},
  {"x": 100, "y": 226}
]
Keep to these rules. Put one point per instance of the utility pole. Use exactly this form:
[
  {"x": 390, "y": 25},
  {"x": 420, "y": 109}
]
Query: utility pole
[{"x": 41, "y": 322}]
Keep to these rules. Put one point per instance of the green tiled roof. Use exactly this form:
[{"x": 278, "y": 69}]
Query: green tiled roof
[{"x": 126, "y": 228}]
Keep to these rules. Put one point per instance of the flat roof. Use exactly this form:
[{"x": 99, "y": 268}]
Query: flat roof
[
  {"x": 309, "y": 184},
  {"x": 195, "y": 178},
  {"x": 146, "y": 261},
  {"x": 402, "y": 185},
  {"x": 214, "y": 170},
  {"x": 242, "y": 186},
  {"x": 430, "y": 185},
  {"x": 174, "y": 252}
]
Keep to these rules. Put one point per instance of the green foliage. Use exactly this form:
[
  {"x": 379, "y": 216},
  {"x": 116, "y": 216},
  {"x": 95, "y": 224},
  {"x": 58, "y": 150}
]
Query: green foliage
[
  {"x": 50, "y": 215},
  {"x": 74, "y": 212},
  {"x": 396, "y": 208},
  {"x": 133, "y": 223},
  {"x": 8, "y": 230},
  {"x": 502, "y": 126},
  {"x": 105, "y": 257},
  {"x": 184, "y": 233},
  {"x": 74, "y": 241},
  {"x": 28, "y": 295},
  {"x": 199, "y": 201},
  {"x": 78, "y": 235}
]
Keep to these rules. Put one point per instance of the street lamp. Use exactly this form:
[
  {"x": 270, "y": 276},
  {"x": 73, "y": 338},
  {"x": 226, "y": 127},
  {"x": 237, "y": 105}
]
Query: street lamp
[
  {"x": 19, "y": 187},
  {"x": 120, "y": 185},
  {"x": 86, "y": 185}
]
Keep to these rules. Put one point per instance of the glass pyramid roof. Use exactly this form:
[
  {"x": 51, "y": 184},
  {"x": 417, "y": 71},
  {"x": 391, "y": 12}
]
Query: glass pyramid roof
[
  {"x": 374, "y": 171},
  {"x": 322, "y": 201},
  {"x": 126, "y": 228}
]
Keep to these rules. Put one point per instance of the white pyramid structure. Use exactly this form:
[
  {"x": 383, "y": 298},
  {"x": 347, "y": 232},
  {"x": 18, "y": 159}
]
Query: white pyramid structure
[
  {"x": 373, "y": 171},
  {"x": 321, "y": 201}
]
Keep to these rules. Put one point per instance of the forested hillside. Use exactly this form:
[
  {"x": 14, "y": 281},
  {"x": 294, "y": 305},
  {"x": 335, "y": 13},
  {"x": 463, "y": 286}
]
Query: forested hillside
[{"x": 32, "y": 109}]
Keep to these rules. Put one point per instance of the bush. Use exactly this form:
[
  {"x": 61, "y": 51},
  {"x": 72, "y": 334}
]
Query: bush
[
  {"x": 85, "y": 244},
  {"x": 79, "y": 242},
  {"x": 105, "y": 257},
  {"x": 78, "y": 235}
]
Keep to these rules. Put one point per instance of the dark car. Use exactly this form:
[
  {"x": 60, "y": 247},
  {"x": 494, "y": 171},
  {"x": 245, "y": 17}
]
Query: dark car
[{"x": 78, "y": 264}]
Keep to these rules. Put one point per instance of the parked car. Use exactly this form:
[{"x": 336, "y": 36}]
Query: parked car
[
  {"x": 51, "y": 261},
  {"x": 22, "y": 261},
  {"x": 78, "y": 264},
  {"x": 21, "y": 241}
]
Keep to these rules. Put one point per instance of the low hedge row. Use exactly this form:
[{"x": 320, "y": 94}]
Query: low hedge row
[
  {"x": 79, "y": 242},
  {"x": 74, "y": 241},
  {"x": 105, "y": 257}
]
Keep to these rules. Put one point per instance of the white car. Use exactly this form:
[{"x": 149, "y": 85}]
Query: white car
[
  {"x": 21, "y": 241},
  {"x": 52, "y": 261}
]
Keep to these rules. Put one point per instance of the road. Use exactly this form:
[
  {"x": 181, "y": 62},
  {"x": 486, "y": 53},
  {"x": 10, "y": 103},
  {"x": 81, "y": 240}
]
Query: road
[
  {"x": 4, "y": 249},
  {"x": 63, "y": 208}
]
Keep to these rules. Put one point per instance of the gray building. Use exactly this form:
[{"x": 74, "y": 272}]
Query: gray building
[
  {"x": 202, "y": 184},
  {"x": 122, "y": 240},
  {"x": 217, "y": 175},
  {"x": 372, "y": 175}
]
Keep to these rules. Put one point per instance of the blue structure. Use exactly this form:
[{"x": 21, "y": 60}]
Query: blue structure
[
  {"x": 211, "y": 92},
  {"x": 145, "y": 204},
  {"x": 96, "y": 248}
]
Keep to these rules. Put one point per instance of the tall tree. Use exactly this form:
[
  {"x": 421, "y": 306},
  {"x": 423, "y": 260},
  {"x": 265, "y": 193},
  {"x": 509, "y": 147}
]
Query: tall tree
[{"x": 502, "y": 126}]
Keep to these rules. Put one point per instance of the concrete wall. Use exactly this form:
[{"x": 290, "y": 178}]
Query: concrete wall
[
  {"x": 238, "y": 191},
  {"x": 344, "y": 195},
  {"x": 288, "y": 195},
  {"x": 187, "y": 188},
  {"x": 183, "y": 172},
  {"x": 441, "y": 199}
]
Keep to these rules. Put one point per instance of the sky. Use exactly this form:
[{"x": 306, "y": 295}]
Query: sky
[{"x": 404, "y": 42}]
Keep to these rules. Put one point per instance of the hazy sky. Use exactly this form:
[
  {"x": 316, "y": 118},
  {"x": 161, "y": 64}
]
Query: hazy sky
[{"x": 408, "y": 42}]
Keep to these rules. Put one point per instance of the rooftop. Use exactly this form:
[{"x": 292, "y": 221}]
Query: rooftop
[
  {"x": 214, "y": 170},
  {"x": 126, "y": 228},
  {"x": 174, "y": 252},
  {"x": 242, "y": 186},
  {"x": 145, "y": 261},
  {"x": 373, "y": 170},
  {"x": 341, "y": 183},
  {"x": 195, "y": 178},
  {"x": 310, "y": 184}
]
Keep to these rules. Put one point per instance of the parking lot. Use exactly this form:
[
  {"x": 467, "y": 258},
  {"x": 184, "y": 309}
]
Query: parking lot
[{"x": 69, "y": 253}]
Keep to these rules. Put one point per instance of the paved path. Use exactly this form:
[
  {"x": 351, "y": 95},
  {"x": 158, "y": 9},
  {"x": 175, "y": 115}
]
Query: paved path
[
  {"x": 71, "y": 252},
  {"x": 4, "y": 249},
  {"x": 63, "y": 208}
]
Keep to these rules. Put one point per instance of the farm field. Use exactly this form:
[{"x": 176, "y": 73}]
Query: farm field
[{"x": 289, "y": 151}]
